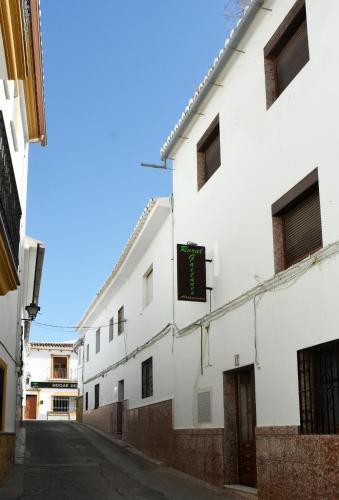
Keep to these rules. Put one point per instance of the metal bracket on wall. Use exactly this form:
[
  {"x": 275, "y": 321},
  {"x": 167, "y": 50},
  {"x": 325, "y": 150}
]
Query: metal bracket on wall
[{"x": 161, "y": 166}]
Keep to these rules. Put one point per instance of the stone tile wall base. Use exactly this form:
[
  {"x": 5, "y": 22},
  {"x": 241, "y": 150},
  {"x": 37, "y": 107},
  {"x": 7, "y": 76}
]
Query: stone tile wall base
[
  {"x": 292, "y": 465},
  {"x": 104, "y": 418},
  {"x": 7, "y": 451},
  {"x": 200, "y": 453}
]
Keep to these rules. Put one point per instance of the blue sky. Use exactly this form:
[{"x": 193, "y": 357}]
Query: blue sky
[{"x": 118, "y": 75}]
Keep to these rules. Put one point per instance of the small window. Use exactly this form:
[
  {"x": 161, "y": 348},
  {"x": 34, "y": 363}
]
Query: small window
[
  {"x": 297, "y": 223},
  {"x": 121, "y": 320},
  {"x": 86, "y": 401},
  {"x": 111, "y": 325},
  {"x": 79, "y": 355},
  {"x": 286, "y": 53},
  {"x": 121, "y": 390},
  {"x": 318, "y": 373},
  {"x": 87, "y": 352},
  {"x": 148, "y": 286},
  {"x": 147, "y": 378},
  {"x": 61, "y": 404},
  {"x": 96, "y": 396},
  {"x": 208, "y": 153},
  {"x": 97, "y": 340}
]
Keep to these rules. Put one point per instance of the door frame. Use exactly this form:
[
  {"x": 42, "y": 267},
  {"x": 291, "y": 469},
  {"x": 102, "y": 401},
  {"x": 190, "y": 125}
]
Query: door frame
[
  {"x": 36, "y": 406},
  {"x": 231, "y": 423}
]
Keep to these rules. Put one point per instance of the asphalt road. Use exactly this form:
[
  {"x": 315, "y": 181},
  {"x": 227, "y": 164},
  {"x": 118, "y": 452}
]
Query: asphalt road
[{"x": 65, "y": 460}]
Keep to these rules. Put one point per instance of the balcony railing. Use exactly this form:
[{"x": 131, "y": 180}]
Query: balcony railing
[
  {"x": 57, "y": 373},
  {"x": 10, "y": 210}
]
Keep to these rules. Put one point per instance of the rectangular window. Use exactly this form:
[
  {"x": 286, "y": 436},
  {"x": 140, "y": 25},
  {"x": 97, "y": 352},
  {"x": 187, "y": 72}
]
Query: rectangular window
[
  {"x": 121, "y": 320},
  {"x": 318, "y": 373},
  {"x": 86, "y": 401},
  {"x": 148, "y": 286},
  {"x": 111, "y": 325},
  {"x": 96, "y": 396},
  {"x": 97, "y": 341},
  {"x": 61, "y": 404},
  {"x": 208, "y": 153},
  {"x": 297, "y": 223},
  {"x": 147, "y": 378},
  {"x": 59, "y": 367},
  {"x": 286, "y": 53},
  {"x": 87, "y": 352}
]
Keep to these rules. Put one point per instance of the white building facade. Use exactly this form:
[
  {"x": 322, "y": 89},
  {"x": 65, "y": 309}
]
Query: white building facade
[
  {"x": 51, "y": 386},
  {"x": 22, "y": 121},
  {"x": 251, "y": 396}
]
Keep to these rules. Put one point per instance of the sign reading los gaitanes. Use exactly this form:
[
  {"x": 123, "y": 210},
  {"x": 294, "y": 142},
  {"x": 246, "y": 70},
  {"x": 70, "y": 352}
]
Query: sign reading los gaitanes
[
  {"x": 191, "y": 273},
  {"x": 55, "y": 385}
]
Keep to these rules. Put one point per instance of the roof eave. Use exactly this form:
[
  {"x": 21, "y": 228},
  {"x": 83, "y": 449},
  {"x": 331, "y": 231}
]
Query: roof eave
[{"x": 214, "y": 72}]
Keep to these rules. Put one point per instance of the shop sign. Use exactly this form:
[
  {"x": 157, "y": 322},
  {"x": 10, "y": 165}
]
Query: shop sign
[
  {"x": 191, "y": 273},
  {"x": 54, "y": 385}
]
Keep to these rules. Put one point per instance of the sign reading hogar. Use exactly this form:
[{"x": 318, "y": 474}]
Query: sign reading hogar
[{"x": 191, "y": 273}]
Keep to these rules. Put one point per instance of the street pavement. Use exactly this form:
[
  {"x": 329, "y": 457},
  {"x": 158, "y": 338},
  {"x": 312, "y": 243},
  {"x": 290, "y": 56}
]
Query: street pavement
[{"x": 67, "y": 460}]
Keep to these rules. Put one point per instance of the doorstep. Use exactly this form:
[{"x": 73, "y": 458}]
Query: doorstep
[{"x": 242, "y": 491}]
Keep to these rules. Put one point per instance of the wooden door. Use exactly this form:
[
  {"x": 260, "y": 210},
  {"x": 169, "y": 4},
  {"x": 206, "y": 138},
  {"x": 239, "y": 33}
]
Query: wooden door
[
  {"x": 246, "y": 427},
  {"x": 31, "y": 404},
  {"x": 120, "y": 407}
]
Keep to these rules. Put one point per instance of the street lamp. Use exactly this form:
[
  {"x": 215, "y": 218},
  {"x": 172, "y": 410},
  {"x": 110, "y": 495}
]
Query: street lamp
[{"x": 32, "y": 311}]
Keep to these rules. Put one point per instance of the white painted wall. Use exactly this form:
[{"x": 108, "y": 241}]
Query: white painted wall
[
  {"x": 10, "y": 305},
  {"x": 38, "y": 369},
  {"x": 142, "y": 322},
  {"x": 264, "y": 153}
]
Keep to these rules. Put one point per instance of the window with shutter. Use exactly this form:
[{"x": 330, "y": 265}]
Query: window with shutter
[
  {"x": 97, "y": 341},
  {"x": 297, "y": 223},
  {"x": 111, "y": 325},
  {"x": 147, "y": 378},
  {"x": 96, "y": 396},
  {"x": 286, "y": 53},
  {"x": 208, "y": 153},
  {"x": 121, "y": 320}
]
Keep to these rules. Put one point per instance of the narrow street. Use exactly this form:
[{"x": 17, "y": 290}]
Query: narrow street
[{"x": 66, "y": 460}]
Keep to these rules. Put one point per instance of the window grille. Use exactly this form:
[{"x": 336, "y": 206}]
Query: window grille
[
  {"x": 147, "y": 378},
  {"x": 61, "y": 404},
  {"x": 318, "y": 372}
]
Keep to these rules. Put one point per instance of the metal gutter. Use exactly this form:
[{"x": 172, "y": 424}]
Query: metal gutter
[{"x": 211, "y": 78}]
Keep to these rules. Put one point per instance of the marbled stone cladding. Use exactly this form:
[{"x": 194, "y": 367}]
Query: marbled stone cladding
[
  {"x": 292, "y": 465},
  {"x": 7, "y": 450},
  {"x": 104, "y": 418}
]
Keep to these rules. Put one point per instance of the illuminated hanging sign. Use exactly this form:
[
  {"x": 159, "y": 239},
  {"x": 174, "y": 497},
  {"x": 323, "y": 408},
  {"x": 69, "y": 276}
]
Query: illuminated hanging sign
[
  {"x": 55, "y": 385},
  {"x": 191, "y": 273}
]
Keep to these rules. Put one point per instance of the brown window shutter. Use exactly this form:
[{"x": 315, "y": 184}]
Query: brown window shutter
[
  {"x": 293, "y": 56},
  {"x": 302, "y": 229}
]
